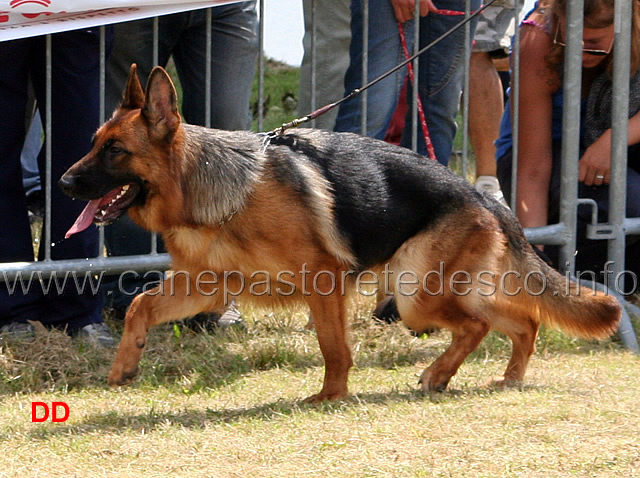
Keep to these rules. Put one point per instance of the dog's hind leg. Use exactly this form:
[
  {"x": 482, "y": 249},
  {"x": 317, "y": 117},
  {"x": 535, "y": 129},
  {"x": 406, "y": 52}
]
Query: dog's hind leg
[
  {"x": 329, "y": 316},
  {"x": 423, "y": 311},
  {"x": 523, "y": 335},
  {"x": 467, "y": 334},
  {"x": 169, "y": 301}
]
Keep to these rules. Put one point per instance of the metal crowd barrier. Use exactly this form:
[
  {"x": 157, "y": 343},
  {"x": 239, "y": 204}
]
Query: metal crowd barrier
[{"x": 562, "y": 234}]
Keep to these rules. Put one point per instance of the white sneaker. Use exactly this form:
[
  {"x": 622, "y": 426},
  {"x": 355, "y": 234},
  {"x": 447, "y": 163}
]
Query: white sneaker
[{"x": 489, "y": 185}]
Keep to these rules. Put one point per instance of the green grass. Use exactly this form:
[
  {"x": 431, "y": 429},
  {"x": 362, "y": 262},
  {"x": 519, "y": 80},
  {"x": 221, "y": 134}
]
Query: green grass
[{"x": 281, "y": 83}]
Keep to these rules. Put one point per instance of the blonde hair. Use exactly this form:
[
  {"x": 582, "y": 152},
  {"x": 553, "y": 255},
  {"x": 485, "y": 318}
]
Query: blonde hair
[{"x": 597, "y": 14}]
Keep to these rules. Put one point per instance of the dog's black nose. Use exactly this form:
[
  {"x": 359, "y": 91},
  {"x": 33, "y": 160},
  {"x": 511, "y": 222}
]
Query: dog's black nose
[{"x": 66, "y": 183}]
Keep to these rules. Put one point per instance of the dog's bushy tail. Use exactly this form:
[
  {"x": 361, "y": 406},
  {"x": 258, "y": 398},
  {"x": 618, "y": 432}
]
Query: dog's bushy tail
[
  {"x": 572, "y": 307},
  {"x": 550, "y": 298}
]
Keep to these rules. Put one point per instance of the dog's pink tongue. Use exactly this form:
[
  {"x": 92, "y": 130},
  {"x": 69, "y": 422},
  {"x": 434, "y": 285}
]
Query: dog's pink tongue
[{"x": 84, "y": 219}]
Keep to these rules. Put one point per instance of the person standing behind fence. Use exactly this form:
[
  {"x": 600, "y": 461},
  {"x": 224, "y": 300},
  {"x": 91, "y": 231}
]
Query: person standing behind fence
[
  {"x": 441, "y": 73},
  {"x": 491, "y": 45},
  {"x": 234, "y": 44},
  {"x": 543, "y": 35},
  {"x": 441, "y": 69},
  {"x": 74, "y": 118},
  {"x": 333, "y": 35}
]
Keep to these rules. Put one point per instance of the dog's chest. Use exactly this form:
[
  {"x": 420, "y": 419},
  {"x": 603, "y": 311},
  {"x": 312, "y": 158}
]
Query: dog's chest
[{"x": 200, "y": 248}]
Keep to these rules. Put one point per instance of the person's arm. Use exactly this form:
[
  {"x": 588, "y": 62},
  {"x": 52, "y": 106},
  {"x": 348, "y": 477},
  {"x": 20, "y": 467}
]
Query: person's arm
[
  {"x": 596, "y": 160},
  {"x": 404, "y": 9},
  {"x": 537, "y": 84}
]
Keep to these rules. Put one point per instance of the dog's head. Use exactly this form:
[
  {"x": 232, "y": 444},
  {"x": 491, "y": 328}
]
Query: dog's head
[{"x": 118, "y": 171}]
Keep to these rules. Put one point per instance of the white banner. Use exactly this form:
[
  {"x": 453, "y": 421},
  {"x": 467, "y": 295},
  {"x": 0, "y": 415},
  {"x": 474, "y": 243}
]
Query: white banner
[{"x": 27, "y": 18}]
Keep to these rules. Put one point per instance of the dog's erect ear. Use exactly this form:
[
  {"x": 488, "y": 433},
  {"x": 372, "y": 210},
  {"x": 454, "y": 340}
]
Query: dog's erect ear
[
  {"x": 161, "y": 106},
  {"x": 133, "y": 96}
]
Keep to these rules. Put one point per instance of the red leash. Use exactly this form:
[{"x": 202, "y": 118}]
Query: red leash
[{"x": 423, "y": 120}]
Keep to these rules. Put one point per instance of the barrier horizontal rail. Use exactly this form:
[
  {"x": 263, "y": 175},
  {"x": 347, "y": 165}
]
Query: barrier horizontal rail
[
  {"x": 551, "y": 235},
  {"x": 110, "y": 265}
]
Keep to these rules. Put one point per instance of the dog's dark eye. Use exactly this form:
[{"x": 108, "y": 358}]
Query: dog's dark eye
[{"x": 110, "y": 148}]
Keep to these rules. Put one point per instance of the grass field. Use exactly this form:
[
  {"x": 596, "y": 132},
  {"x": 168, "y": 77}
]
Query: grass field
[{"x": 230, "y": 404}]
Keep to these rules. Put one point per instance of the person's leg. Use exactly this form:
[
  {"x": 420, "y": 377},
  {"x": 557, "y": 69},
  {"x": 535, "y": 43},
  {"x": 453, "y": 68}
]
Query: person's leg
[
  {"x": 74, "y": 119},
  {"x": 384, "y": 52},
  {"x": 133, "y": 43},
  {"x": 233, "y": 61},
  {"x": 441, "y": 73},
  {"x": 31, "y": 149},
  {"x": 491, "y": 44},
  {"x": 504, "y": 170},
  {"x": 485, "y": 111},
  {"x": 15, "y": 234},
  {"x": 333, "y": 35}
]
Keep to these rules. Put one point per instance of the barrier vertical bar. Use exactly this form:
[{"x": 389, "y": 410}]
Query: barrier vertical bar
[
  {"x": 156, "y": 36},
  {"x": 261, "y": 68},
  {"x": 514, "y": 99},
  {"x": 619, "y": 133},
  {"x": 365, "y": 66},
  {"x": 465, "y": 87},
  {"x": 208, "y": 73},
  {"x": 619, "y": 140},
  {"x": 416, "y": 78},
  {"x": 102, "y": 115},
  {"x": 571, "y": 133},
  {"x": 48, "y": 155},
  {"x": 314, "y": 61}
]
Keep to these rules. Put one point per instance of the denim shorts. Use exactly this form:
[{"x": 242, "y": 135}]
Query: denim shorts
[{"x": 496, "y": 27}]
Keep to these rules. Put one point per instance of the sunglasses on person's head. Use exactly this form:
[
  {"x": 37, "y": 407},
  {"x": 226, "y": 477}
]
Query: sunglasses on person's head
[{"x": 588, "y": 51}]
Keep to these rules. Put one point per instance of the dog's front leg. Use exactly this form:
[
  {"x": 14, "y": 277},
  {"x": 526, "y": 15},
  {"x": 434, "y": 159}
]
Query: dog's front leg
[
  {"x": 136, "y": 324},
  {"x": 330, "y": 323},
  {"x": 174, "y": 299}
]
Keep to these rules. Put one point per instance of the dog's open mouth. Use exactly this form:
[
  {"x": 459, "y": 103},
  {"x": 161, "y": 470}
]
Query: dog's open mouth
[{"x": 105, "y": 210}]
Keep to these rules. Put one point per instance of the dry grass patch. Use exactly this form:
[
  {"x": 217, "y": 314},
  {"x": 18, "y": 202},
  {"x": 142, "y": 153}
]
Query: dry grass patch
[{"x": 228, "y": 405}]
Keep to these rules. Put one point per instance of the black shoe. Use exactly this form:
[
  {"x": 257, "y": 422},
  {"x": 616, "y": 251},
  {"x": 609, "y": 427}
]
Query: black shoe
[
  {"x": 18, "y": 330},
  {"x": 35, "y": 203},
  {"x": 387, "y": 311}
]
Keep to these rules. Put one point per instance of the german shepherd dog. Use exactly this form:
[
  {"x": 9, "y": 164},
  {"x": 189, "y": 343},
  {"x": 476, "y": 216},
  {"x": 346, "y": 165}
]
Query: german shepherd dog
[{"x": 313, "y": 211}]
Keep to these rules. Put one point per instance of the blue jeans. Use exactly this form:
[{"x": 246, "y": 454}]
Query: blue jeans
[
  {"x": 75, "y": 80},
  {"x": 183, "y": 35},
  {"x": 441, "y": 71},
  {"x": 29, "y": 156}
]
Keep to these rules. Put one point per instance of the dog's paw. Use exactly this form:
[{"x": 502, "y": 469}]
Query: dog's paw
[
  {"x": 121, "y": 377},
  {"x": 326, "y": 396},
  {"x": 501, "y": 382},
  {"x": 431, "y": 383}
]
